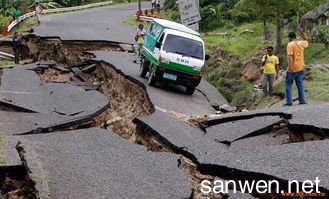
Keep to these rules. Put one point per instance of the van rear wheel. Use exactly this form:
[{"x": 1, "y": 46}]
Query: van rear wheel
[
  {"x": 190, "y": 90},
  {"x": 143, "y": 68}
]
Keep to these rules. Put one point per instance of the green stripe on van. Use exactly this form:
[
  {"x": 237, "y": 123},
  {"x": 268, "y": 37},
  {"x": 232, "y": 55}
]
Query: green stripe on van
[{"x": 175, "y": 66}]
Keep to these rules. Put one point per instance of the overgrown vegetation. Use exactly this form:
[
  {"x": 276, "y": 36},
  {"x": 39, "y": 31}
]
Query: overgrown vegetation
[
  {"x": 236, "y": 34},
  {"x": 7, "y": 63},
  {"x": 2, "y": 161}
]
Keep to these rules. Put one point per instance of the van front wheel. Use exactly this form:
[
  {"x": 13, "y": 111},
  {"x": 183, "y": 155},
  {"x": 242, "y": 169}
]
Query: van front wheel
[
  {"x": 151, "y": 78},
  {"x": 190, "y": 90},
  {"x": 143, "y": 68}
]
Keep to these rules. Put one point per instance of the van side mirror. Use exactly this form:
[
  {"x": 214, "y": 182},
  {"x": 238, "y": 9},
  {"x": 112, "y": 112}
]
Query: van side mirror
[
  {"x": 158, "y": 44},
  {"x": 207, "y": 57}
]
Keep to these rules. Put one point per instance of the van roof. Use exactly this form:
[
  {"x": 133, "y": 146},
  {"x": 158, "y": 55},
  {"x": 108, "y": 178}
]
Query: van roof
[
  {"x": 183, "y": 34},
  {"x": 175, "y": 26}
]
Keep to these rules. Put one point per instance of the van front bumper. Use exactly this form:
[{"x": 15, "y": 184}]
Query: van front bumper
[{"x": 183, "y": 78}]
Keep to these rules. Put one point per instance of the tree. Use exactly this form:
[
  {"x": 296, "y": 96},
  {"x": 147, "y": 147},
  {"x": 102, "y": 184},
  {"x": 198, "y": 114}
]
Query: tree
[
  {"x": 267, "y": 10},
  {"x": 257, "y": 9},
  {"x": 3, "y": 3}
]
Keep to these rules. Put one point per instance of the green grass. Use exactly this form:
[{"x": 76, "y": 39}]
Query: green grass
[
  {"x": 25, "y": 25},
  {"x": 7, "y": 63},
  {"x": 131, "y": 20},
  {"x": 232, "y": 39},
  {"x": 318, "y": 86},
  {"x": 317, "y": 54},
  {"x": 2, "y": 144}
]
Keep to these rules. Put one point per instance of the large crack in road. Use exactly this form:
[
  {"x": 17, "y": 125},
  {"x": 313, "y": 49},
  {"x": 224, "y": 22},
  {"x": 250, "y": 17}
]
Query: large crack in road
[
  {"x": 127, "y": 97},
  {"x": 129, "y": 102}
]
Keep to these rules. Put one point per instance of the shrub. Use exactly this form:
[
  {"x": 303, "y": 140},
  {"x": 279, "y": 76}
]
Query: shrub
[
  {"x": 321, "y": 34},
  {"x": 4, "y": 21}
]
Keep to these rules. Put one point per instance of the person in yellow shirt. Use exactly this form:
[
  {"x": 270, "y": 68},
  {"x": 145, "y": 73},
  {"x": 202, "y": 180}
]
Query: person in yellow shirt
[
  {"x": 295, "y": 70},
  {"x": 271, "y": 70},
  {"x": 140, "y": 35}
]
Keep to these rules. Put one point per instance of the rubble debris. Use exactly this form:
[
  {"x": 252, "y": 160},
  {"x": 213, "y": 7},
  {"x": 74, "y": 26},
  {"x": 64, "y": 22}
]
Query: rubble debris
[{"x": 206, "y": 124}]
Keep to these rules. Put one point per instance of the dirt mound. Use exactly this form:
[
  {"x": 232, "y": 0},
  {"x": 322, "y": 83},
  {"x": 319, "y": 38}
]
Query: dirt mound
[{"x": 252, "y": 71}]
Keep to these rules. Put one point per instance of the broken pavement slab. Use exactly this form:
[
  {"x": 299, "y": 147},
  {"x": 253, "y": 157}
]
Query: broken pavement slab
[
  {"x": 114, "y": 167},
  {"x": 311, "y": 117},
  {"x": 232, "y": 131},
  {"x": 8, "y": 153},
  {"x": 23, "y": 88},
  {"x": 298, "y": 161},
  {"x": 181, "y": 138},
  {"x": 279, "y": 161},
  {"x": 216, "y": 100},
  {"x": 18, "y": 122}
]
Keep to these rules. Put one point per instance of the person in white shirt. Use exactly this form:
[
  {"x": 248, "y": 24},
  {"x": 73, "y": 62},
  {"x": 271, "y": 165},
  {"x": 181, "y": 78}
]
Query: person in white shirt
[
  {"x": 153, "y": 4},
  {"x": 38, "y": 11}
]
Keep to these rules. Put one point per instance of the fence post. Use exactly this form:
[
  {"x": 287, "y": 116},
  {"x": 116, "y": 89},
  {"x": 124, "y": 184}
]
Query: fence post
[
  {"x": 139, "y": 14},
  {"x": 5, "y": 31}
]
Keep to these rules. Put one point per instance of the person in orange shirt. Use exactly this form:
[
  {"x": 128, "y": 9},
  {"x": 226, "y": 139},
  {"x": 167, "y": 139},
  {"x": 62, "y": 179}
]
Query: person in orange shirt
[{"x": 295, "y": 70}]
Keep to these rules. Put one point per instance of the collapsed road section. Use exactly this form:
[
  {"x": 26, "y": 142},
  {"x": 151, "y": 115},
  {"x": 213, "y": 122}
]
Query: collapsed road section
[
  {"x": 251, "y": 146},
  {"x": 120, "y": 104},
  {"x": 110, "y": 100}
]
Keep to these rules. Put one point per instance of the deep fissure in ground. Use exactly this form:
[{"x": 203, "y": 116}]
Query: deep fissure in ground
[{"x": 127, "y": 97}]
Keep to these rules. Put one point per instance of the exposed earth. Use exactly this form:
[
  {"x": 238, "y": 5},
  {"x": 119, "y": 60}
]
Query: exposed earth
[{"x": 79, "y": 122}]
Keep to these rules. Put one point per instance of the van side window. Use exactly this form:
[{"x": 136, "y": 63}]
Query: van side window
[
  {"x": 150, "y": 28},
  {"x": 156, "y": 31}
]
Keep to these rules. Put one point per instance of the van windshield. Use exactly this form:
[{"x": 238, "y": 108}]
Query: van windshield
[{"x": 183, "y": 46}]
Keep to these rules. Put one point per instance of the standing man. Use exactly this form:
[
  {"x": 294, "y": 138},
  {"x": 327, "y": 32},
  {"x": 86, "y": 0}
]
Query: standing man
[
  {"x": 271, "y": 70},
  {"x": 38, "y": 11},
  {"x": 295, "y": 70},
  {"x": 158, "y": 4},
  {"x": 17, "y": 45}
]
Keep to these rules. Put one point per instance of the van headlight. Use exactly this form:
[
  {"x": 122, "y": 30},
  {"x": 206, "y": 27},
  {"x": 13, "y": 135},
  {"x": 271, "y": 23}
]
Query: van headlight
[
  {"x": 198, "y": 68},
  {"x": 164, "y": 60}
]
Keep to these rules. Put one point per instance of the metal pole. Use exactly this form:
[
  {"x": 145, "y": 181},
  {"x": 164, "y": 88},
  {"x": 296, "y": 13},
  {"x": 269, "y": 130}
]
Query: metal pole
[{"x": 139, "y": 6}]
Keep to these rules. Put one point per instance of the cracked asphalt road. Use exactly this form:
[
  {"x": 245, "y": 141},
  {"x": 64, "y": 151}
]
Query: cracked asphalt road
[
  {"x": 105, "y": 24},
  {"x": 299, "y": 161},
  {"x": 94, "y": 24},
  {"x": 172, "y": 98},
  {"x": 105, "y": 166}
]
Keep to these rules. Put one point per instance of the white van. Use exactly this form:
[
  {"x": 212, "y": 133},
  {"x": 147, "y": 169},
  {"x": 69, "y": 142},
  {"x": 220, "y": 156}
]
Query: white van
[{"x": 173, "y": 52}]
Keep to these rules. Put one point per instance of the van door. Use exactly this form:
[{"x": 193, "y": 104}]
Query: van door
[
  {"x": 158, "y": 45},
  {"x": 154, "y": 32}
]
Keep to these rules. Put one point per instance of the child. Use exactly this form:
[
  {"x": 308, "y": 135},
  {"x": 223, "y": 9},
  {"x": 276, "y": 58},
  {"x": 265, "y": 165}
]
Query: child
[{"x": 140, "y": 35}]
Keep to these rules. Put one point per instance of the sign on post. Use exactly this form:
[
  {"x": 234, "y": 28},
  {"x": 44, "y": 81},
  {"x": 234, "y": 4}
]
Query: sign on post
[{"x": 189, "y": 12}]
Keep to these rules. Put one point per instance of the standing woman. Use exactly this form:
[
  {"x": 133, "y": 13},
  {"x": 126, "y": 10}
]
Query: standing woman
[
  {"x": 153, "y": 4},
  {"x": 38, "y": 11},
  {"x": 139, "y": 38}
]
